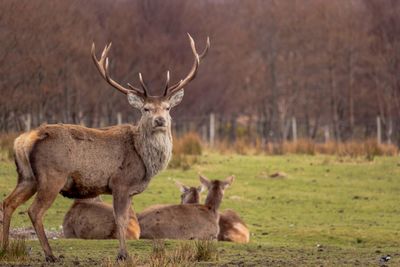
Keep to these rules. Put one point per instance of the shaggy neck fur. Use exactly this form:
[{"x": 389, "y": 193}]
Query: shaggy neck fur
[{"x": 155, "y": 149}]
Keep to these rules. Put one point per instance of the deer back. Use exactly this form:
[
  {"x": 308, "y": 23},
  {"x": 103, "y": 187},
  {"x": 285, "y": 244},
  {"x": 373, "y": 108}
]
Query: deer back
[{"x": 184, "y": 221}]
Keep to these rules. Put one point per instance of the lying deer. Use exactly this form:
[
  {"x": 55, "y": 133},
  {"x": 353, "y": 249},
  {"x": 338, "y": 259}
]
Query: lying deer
[
  {"x": 81, "y": 162},
  {"x": 190, "y": 194},
  {"x": 231, "y": 227},
  {"x": 94, "y": 219},
  {"x": 186, "y": 221}
]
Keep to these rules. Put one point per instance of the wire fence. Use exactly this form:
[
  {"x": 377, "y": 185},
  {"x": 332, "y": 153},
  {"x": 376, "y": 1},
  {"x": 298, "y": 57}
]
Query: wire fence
[{"x": 215, "y": 127}]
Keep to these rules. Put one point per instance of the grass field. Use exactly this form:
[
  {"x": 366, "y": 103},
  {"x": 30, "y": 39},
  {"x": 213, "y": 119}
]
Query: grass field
[{"x": 327, "y": 211}]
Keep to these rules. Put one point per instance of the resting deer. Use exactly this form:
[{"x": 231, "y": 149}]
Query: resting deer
[
  {"x": 186, "y": 221},
  {"x": 81, "y": 162},
  {"x": 94, "y": 219},
  {"x": 231, "y": 227},
  {"x": 190, "y": 194}
]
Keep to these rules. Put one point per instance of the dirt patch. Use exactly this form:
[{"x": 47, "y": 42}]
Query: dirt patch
[{"x": 29, "y": 233}]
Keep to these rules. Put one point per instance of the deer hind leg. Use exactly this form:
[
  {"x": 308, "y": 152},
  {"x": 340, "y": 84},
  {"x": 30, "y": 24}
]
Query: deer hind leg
[
  {"x": 23, "y": 191},
  {"x": 46, "y": 194},
  {"x": 121, "y": 204}
]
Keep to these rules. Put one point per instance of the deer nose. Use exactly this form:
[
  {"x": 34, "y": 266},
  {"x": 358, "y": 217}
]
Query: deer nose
[{"x": 159, "y": 121}]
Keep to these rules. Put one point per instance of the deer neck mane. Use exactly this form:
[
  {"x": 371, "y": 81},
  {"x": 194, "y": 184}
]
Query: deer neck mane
[{"x": 155, "y": 149}]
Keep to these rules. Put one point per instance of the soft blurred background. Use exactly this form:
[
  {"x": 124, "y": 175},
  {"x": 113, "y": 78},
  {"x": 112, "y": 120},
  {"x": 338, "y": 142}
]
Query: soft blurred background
[
  {"x": 277, "y": 71},
  {"x": 283, "y": 77}
]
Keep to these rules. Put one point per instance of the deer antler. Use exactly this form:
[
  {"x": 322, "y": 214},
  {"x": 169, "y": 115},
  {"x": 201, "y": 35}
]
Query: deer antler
[
  {"x": 102, "y": 67},
  {"x": 182, "y": 83}
]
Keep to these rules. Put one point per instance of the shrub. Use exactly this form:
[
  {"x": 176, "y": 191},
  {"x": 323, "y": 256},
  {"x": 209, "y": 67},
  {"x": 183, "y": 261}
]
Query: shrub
[
  {"x": 7, "y": 144},
  {"x": 186, "y": 151},
  {"x": 188, "y": 144}
]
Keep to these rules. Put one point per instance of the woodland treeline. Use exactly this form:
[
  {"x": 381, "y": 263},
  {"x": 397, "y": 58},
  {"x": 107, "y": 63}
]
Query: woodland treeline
[{"x": 334, "y": 66}]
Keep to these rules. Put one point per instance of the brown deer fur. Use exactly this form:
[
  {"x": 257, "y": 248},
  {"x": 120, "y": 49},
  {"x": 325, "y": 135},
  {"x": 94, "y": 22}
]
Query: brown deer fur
[
  {"x": 186, "y": 221},
  {"x": 231, "y": 227},
  {"x": 190, "y": 195},
  {"x": 81, "y": 162},
  {"x": 94, "y": 219}
]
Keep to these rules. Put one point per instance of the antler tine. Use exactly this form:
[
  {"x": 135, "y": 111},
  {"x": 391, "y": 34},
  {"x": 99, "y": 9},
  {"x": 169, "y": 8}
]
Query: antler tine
[
  {"x": 204, "y": 53},
  {"x": 144, "y": 87},
  {"x": 166, "y": 84},
  {"x": 193, "y": 71},
  {"x": 102, "y": 66}
]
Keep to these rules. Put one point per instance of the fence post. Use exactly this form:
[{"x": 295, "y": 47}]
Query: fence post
[
  {"x": 80, "y": 118},
  {"x": 326, "y": 133},
  {"x": 28, "y": 122},
  {"x": 378, "y": 130},
  {"x": 294, "y": 129},
  {"x": 204, "y": 132},
  {"x": 389, "y": 132},
  {"x": 212, "y": 129},
  {"x": 119, "y": 118}
]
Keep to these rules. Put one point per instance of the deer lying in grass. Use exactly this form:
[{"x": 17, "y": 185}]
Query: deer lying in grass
[
  {"x": 186, "y": 221},
  {"x": 190, "y": 194},
  {"x": 231, "y": 227},
  {"x": 81, "y": 162},
  {"x": 94, "y": 219}
]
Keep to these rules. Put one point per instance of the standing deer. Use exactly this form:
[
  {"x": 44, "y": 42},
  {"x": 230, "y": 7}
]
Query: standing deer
[
  {"x": 186, "y": 221},
  {"x": 81, "y": 162},
  {"x": 231, "y": 227},
  {"x": 94, "y": 219}
]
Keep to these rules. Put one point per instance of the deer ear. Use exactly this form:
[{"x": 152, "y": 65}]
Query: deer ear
[
  {"x": 135, "y": 100},
  {"x": 183, "y": 188},
  {"x": 228, "y": 181},
  {"x": 200, "y": 189},
  {"x": 204, "y": 181},
  {"x": 176, "y": 98}
]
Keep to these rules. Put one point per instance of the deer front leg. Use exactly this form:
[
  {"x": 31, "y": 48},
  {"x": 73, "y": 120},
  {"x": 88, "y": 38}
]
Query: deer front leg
[{"x": 121, "y": 204}]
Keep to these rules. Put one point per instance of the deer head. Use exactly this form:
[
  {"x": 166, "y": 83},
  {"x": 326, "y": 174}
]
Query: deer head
[
  {"x": 154, "y": 109},
  {"x": 216, "y": 189},
  {"x": 190, "y": 195}
]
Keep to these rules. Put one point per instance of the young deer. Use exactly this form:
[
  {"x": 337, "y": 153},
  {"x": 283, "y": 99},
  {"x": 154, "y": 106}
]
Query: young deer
[
  {"x": 186, "y": 221},
  {"x": 231, "y": 227},
  {"x": 81, "y": 162},
  {"x": 94, "y": 219},
  {"x": 190, "y": 195}
]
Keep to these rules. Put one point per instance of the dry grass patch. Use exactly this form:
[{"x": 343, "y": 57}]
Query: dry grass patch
[
  {"x": 7, "y": 144},
  {"x": 186, "y": 253},
  {"x": 186, "y": 151},
  {"x": 17, "y": 251}
]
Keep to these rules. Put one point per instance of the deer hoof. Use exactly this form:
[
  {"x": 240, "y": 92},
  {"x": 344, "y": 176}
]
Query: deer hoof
[
  {"x": 51, "y": 258},
  {"x": 122, "y": 256}
]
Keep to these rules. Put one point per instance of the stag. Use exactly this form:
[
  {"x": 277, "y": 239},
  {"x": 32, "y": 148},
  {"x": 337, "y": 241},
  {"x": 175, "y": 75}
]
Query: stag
[{"x": 81, "y": 162}]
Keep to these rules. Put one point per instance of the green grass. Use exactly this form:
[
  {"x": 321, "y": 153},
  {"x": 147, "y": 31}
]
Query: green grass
[{"x": 349, "y": 207}]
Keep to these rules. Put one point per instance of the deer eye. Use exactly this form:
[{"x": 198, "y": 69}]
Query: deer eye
[
  {"x": 168, "y": 108},
  {"x": 146, "y": 109}
]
